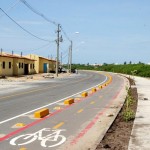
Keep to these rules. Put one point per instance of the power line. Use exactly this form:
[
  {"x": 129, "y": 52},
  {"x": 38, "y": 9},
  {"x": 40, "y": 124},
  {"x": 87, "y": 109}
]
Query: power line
[
  {"x": 37, "y": 12},
  {"x": 65, "y": 34},
  {"x": 11, "y": 7},
  {"x": 24, "y": 28},
  {"x": 46, "y": 45},
  {"x": 35, "y": 49},
  {"x": 44, "y": 17}
]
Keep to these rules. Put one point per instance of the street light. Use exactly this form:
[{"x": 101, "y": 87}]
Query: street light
[{"x": 70, "y": 54}]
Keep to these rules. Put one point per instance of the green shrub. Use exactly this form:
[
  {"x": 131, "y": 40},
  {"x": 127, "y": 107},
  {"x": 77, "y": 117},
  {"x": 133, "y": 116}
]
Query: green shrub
[{"x": 128, "y": 115}]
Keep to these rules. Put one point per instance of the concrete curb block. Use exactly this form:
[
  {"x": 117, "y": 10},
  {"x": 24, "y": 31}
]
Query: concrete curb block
[
  {"x": 41, "y": 113},
  {"x": 69, "y": 101},
  {"x": 112, "y": 119},
  {"x": 84, "y": 94}
]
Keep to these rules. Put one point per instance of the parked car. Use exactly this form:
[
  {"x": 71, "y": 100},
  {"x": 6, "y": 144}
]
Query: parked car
[
  {"x": 63, "y": 70},
  {"x": 73, "y": 70}
]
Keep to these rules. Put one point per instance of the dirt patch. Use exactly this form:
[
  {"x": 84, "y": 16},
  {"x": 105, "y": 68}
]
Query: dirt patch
[{"x": 118, "y": 135}]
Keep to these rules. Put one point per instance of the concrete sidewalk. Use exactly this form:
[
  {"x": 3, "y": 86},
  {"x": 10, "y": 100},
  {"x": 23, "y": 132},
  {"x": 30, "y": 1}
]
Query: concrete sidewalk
[{"x": 140, "y": 136}]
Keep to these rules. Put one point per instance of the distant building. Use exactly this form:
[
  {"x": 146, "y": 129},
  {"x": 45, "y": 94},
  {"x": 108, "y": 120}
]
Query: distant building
[{"x": 96, "y": 65}]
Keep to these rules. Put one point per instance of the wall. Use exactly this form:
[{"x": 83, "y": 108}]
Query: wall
[
  {"x": 31, "y": 66},
  {"x": 36, "y": 63},
  {"x": 7, "y": 71},
  {"x": 18, "y": 70},
  {"x": 42, "y": 61}
]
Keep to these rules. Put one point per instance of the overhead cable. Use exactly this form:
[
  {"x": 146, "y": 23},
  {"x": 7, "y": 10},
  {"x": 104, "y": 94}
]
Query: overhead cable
[
  {"x": 24, "y": 28},
  {"x": 35, "y": 49},
  {"x": 65, "y": 34},
  {"x": 43, "y": 16},
  {"x": 37, "y": 12},
  {"x": 11, "y": 7}
]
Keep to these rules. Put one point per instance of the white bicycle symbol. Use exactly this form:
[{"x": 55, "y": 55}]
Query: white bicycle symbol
[{"x": 52, "y": 140}]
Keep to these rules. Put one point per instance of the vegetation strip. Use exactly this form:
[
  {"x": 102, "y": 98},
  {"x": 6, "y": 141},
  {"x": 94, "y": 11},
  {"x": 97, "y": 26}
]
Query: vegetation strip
[
  {"x": 118, "y": 135},
  {"x": 139, "y": 69}
]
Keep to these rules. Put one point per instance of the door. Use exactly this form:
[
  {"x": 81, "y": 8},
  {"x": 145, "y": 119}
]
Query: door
[
  {"x": 45, "y": 67},
  {"x": 26, "y": 70}
]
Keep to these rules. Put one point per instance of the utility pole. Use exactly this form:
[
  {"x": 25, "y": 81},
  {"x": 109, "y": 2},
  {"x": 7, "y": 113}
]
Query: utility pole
[
  {"x": 61, "y": 58},
  {"x": 1, "y": 51},
  {"x": 57, "y": 41},
  {"x": 69, "y": 60},
  {"x": 70, "y": 56}
]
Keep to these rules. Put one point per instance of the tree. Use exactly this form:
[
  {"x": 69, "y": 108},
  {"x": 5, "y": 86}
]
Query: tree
[
  {"x": 105, "y": 64},
  {"x": 125, "y": 63}
]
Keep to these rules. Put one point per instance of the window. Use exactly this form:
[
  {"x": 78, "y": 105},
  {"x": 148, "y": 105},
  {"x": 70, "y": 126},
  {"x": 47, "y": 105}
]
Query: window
[
  {"x": 22, "y": 65},
  {"x": 30, "y": 66},
  {"x": 3, "y": 64},
  {"x": 33, "y": 66},
  {"x": 9, "y": 65},
  {"x": 19, "y": 65}
]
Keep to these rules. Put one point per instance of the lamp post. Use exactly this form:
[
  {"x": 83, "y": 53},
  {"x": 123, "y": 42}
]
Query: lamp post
[{"x": 70, "y": 55}]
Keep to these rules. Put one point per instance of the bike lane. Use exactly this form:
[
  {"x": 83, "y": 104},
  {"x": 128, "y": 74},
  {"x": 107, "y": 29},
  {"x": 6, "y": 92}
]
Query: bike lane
[{"x": 67, "y": 126}]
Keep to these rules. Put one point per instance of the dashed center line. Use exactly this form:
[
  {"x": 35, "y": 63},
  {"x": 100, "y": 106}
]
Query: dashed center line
[
  {"x": 58, "y": 102},
  {"x": 58, "y": 125},
  {"x": 79, "y": 111},
  {"x": 92, "y": 102},
  {"x": 57, "y": 108},
  {"x": 23, "y": 148}
]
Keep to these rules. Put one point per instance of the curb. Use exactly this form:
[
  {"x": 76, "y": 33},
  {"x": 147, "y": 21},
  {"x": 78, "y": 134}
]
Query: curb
[{"x": 126, "y": 83}]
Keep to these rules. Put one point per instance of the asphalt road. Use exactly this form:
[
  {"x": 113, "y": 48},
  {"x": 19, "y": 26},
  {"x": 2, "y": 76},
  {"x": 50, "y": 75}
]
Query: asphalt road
[
  {"x": 65, "y": 124},
  {"x": 44, "y": 92}
]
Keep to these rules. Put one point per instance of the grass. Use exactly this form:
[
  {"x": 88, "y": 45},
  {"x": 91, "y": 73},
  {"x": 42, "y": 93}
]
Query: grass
[{"x": 128, "y": 113}]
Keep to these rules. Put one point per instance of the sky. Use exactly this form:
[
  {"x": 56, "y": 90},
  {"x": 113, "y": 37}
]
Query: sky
[{"x": 102, "y": 31}]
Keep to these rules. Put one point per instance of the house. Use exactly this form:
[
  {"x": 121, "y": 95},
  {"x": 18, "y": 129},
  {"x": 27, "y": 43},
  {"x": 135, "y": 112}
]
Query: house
[
  {"x": 6, "y": 65},
  {"x": 42, "y": 64},
  {"x": 14, "y": 65},
  {"x": 23, "y": 66}
]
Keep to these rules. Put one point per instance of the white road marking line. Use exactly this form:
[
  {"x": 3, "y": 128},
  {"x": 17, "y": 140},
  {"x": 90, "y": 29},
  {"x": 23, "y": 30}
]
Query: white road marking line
[{"x": 4, "y": 121}]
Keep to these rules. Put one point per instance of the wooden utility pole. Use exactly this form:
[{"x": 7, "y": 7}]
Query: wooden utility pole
[{"x": 57, "y": 41}]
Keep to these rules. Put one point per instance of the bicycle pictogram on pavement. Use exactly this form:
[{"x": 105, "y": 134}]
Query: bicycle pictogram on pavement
[{"x": 48, "y": 138}]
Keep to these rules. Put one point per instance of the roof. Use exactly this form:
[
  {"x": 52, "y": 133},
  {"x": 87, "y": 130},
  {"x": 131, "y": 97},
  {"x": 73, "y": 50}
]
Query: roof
[
  {"x": 15, "y": 56},
  {"x": 41, "y": 57},
  {"x": 46, "y": 58}
]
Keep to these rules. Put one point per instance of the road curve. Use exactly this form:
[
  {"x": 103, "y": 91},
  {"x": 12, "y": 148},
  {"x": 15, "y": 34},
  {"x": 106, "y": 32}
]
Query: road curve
[
  {"x": 45, "y": 92},
  {"x": 66, "y": 125}
]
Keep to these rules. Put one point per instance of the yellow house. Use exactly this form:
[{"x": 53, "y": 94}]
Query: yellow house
[
  {"x": 42, "y": 64},
  {"x": 23, "y": 66},
  {"x": 6, "y": 65},
  {"x": 31, "y": 65},
  {"x": 14, "y": 65}
]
